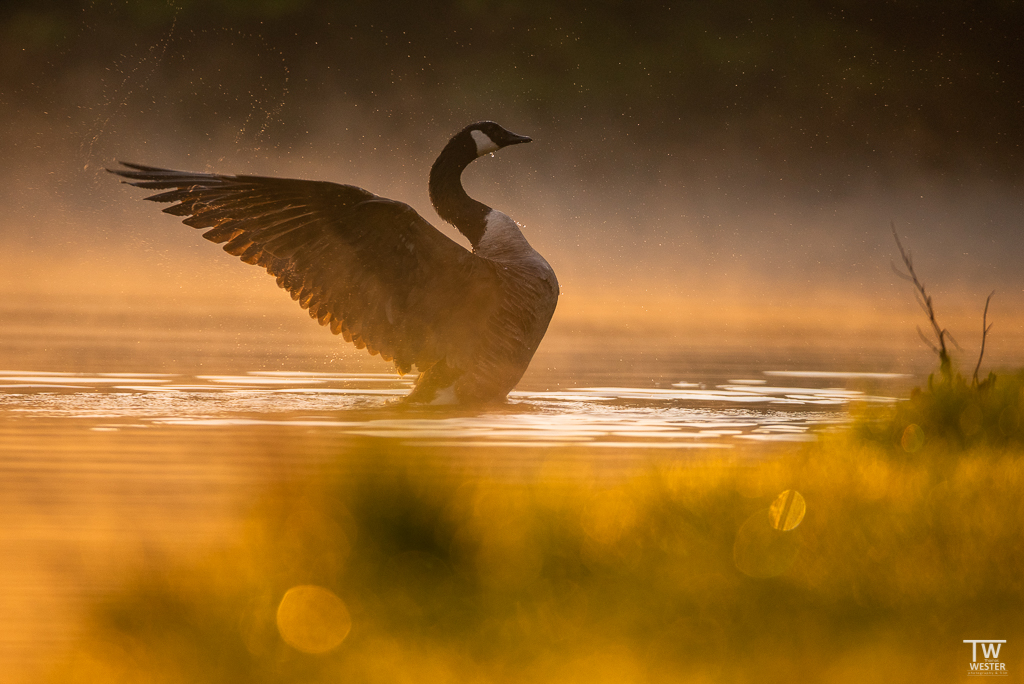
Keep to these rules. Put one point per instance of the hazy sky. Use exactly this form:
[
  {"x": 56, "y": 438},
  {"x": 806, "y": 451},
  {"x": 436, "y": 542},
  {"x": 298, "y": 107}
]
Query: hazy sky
[{"x": 733, "y": 158}]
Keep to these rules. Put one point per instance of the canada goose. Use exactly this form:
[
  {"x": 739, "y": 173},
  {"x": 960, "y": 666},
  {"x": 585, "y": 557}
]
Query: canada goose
[{"x": 379, "y": 274}]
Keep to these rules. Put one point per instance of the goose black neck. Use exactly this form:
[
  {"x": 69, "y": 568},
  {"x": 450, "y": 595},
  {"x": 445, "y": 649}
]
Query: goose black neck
[{"x": 449, "y": 197}]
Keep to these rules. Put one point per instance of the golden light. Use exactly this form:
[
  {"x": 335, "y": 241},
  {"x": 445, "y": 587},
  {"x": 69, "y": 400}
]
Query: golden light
[
  {"x": 787, "y": 511},
  {"x": 313, "y": 619},
  {"x": 913, "y": 438}
]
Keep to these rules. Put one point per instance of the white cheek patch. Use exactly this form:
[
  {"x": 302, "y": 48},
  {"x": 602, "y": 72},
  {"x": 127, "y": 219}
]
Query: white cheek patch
[{"x": 484, "y": 144}]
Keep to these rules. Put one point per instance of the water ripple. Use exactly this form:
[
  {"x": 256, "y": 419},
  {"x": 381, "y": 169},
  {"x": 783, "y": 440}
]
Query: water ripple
[{"x": 685, "y": 415}]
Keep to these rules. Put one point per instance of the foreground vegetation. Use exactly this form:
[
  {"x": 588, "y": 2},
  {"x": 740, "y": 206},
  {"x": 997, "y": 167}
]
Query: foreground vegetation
[{"x": 905, "y": 540}]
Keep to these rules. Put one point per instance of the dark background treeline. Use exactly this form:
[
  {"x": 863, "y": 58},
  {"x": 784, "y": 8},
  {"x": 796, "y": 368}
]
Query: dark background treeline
[{"x": 932, "y": 85}]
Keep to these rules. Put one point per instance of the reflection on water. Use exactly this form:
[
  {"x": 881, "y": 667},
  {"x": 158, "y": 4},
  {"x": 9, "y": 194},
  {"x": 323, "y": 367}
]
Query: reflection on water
[{"x": 684, "y": 415}]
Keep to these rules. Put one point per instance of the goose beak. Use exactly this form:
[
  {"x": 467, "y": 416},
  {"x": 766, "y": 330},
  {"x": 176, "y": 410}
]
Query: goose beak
[{"x": 514, "y": 139}]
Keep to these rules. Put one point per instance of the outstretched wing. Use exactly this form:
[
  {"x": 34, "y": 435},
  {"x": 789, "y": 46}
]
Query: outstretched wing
[{"x": 371, "y": 268}]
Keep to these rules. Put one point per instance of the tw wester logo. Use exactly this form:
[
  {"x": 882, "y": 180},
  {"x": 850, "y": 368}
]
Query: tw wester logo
[{"x": 990, "y": 664}]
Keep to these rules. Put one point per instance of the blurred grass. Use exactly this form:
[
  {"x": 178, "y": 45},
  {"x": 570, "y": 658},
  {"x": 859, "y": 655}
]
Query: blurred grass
[
  {"x": 953, "y": 414},
  {"x": 414, "y": 570}
]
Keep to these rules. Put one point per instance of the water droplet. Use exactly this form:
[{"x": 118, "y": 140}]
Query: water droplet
[
  {"x": 312, "y": 619},
  {"x": 913, "y": 438},
  {"x": 971, "y": 420},
  {"x": 1009, "y": 421},
  {"x": 787, "y": 511}
]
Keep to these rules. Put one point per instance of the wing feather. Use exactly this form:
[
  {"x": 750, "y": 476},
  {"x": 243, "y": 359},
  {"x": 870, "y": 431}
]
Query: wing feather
[
  {"x": 222, "y": 233},
  {"x": 370, "y": 268}
]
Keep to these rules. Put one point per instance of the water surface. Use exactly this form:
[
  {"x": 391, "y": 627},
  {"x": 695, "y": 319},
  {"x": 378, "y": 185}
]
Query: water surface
[{"x": 120, "y": 445}]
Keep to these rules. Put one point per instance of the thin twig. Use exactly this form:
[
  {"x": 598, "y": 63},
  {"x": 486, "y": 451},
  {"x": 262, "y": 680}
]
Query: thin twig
[
  {"x": 924, "y": 338},
  {"x": 925, "y": 301},
  {"x": 985, "y": 327}
]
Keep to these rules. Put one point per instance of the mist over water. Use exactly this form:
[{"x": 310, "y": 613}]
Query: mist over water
[{"x": 664, "y": 178}]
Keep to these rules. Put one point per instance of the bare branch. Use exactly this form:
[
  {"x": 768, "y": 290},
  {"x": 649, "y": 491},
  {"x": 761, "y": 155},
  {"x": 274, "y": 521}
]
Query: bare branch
[
  {"x": 900, "y": 273},
  {"x": 985, "y": 327},
  {"x": 952, "y": 339},
  {"x": 924, "y": 304},
  {"x": 925, "y": 301},
  {"x": 926, "y": 340}
]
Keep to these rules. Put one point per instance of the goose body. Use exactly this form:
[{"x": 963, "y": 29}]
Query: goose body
[{"x": 379, "y": 274}]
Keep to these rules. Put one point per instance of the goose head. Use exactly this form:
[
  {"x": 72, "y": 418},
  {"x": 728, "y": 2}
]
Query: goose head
[
  {"x": 476, "y": 140},
  {"x": 446, "y": 191},
  {"x": 490, "y": 137}
]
